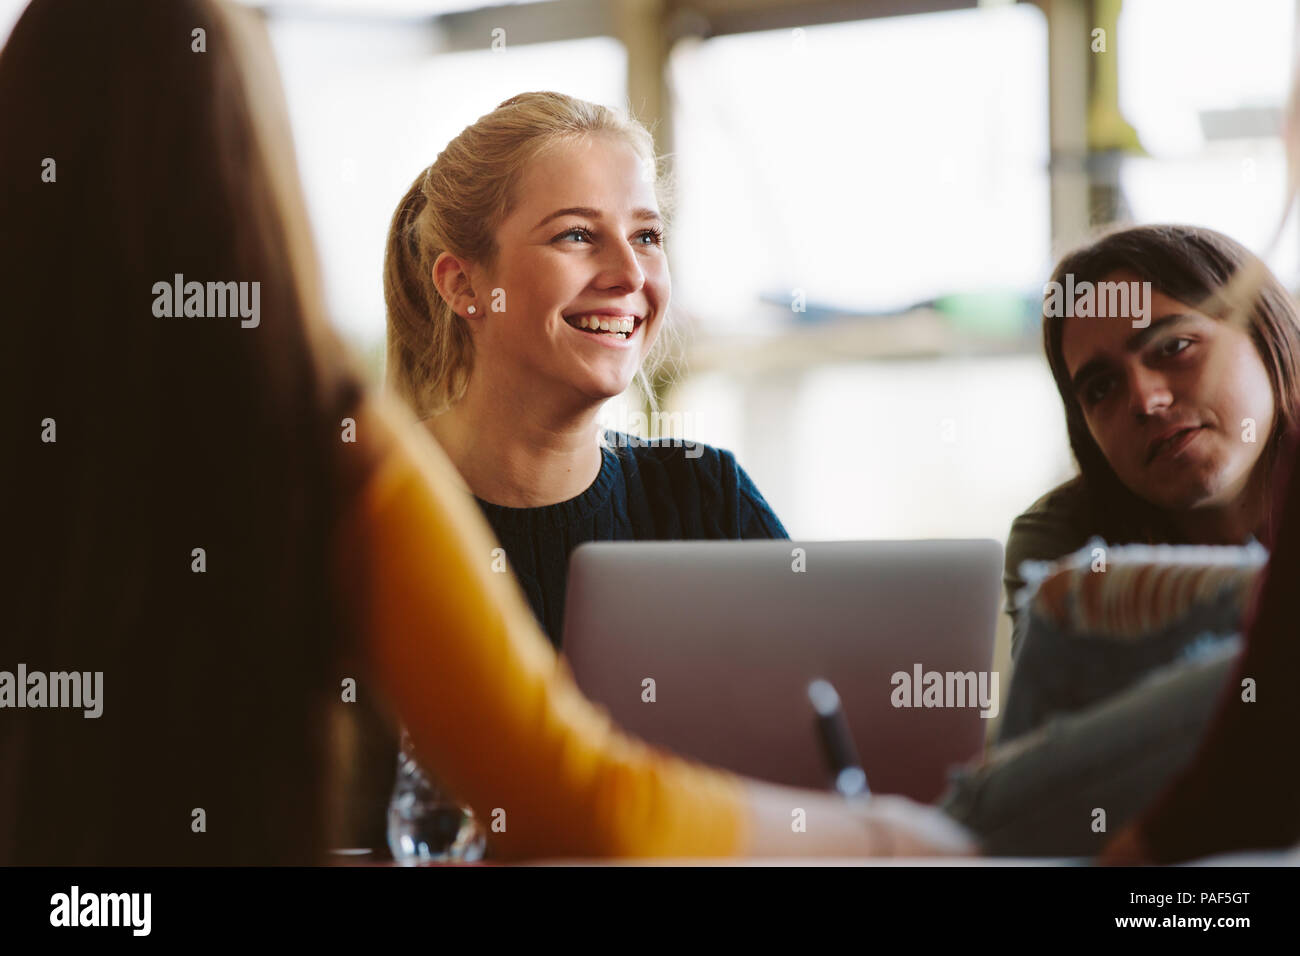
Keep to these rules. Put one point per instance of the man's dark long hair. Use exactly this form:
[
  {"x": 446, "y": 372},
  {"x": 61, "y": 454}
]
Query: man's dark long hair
[
  {"x": 171, "y": 434},
  {"x": 1193, "y": 265}
]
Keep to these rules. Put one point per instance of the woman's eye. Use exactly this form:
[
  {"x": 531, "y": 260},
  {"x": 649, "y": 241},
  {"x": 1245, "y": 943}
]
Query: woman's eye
[
  {"x": 1174, "y": 346},
  {"x": 1096, "y": 390},
  {"x": 656, "y": 236}
]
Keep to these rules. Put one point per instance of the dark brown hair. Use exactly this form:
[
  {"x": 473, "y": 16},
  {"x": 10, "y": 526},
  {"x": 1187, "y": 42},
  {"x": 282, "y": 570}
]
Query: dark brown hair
[
  {"x": 1193, "y": 265},
  {"x": 171, "y": 434}
]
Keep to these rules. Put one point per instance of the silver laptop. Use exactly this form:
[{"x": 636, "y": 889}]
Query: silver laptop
[{"x": 726, "y": 636}]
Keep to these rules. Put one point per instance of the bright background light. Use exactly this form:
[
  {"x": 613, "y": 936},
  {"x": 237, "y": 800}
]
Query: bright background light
[{"x": 871, "y": 165}]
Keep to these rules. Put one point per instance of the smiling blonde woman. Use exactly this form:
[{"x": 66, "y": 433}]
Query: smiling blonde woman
[{"x": 526, "y": 283}]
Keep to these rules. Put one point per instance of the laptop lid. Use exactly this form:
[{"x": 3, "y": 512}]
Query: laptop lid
[{"x": 707, "y": 648}]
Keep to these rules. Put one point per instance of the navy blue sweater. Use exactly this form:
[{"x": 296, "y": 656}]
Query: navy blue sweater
[{"x": 646, "y": 491}]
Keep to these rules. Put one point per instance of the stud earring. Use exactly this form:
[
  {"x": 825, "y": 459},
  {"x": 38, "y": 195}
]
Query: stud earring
[{"x": 472, "y": 310}]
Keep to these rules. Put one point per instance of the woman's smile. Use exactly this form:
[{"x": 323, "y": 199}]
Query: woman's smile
[{"x": 616, "y": 330}]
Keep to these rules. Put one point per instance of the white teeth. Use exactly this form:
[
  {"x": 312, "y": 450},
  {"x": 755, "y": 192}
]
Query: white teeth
[{"x": 621, "y": 326}]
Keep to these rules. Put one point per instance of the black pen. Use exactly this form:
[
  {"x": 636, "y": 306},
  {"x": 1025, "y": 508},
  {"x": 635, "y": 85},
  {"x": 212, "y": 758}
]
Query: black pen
[{"x": 837, "y": 742}]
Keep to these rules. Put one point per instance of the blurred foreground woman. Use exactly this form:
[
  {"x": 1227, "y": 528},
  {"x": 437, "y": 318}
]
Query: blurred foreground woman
[{"x": 209, "y": 511}]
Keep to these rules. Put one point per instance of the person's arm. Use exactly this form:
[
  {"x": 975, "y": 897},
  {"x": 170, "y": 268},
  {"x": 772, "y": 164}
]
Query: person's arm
[
  {"x": 1126, "y": 849},
  {"x": 494, "y": 714},
  {"x": 1047, "y": 531},
  {"x": 1242, "y": 791}
]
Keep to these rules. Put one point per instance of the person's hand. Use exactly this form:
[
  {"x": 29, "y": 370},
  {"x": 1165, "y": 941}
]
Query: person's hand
[
  {"x": 886, "y": 826},
  {"x": 901, "y": 827}
]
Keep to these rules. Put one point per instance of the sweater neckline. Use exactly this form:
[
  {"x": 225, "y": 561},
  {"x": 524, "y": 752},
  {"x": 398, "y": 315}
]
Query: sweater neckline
[{"x": 561, "y": 513}]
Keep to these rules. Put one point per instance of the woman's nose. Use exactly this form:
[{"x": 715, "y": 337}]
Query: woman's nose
[
  {"x": 620, "y": 268},
  {"x": 1149, "y": 392}
]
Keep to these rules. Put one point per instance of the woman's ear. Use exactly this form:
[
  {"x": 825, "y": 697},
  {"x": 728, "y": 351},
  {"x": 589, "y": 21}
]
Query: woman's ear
[{"x": 451, "y": 279}]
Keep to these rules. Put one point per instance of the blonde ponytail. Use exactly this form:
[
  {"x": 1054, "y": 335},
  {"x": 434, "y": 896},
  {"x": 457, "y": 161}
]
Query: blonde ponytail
[{"x": 430, "y": 352}]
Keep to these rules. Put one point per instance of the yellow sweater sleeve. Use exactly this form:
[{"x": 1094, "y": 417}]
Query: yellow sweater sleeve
[{"x": 491, "y": 709}]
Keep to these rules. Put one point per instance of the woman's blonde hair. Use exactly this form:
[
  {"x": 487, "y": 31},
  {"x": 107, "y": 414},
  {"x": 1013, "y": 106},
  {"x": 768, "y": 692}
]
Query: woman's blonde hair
[{"x": 455, "y": 206}]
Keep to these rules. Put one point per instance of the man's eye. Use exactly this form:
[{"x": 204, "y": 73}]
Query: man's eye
[{"x": 1174, "y": 346}]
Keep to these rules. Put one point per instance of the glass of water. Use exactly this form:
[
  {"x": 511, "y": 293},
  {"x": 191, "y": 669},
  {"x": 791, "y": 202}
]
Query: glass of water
[{"x": 425, "y": 823}]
